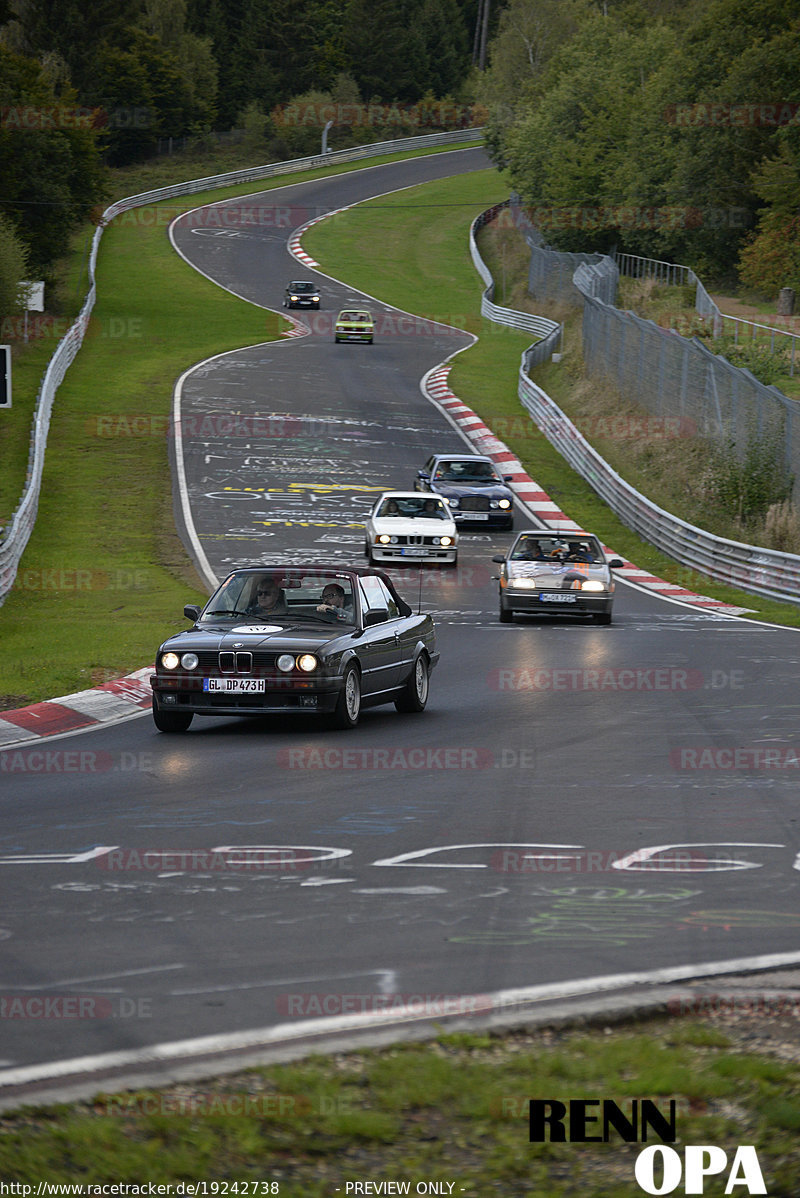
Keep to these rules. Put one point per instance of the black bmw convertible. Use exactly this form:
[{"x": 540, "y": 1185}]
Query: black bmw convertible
[{"x": 300, "y": 639}]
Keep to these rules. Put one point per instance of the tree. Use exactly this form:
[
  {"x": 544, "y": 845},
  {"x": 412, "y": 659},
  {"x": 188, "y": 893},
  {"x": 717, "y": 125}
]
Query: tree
[
  {"x": 13, "y": 268},
  {"x": 771, "y": 258},
  {"x": 50, "y": 174},
  {"x": 387, "y": 48}
]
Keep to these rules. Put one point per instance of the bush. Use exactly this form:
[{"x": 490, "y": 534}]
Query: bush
[
  {"x": 782, "y": 527},
  {"x": 748, "y": 484},
  {"x": 768, "y": 366}
]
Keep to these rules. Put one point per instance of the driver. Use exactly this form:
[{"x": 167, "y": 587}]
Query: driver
[{"x": 332, "y": 605}]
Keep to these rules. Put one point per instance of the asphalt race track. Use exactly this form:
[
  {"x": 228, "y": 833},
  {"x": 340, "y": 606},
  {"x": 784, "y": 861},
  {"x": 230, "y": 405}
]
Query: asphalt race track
[{"x": 580, "y": 810}]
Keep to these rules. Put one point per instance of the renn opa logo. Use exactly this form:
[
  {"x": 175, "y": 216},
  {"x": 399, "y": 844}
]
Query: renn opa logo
[{"x": 659, "y": 1168}]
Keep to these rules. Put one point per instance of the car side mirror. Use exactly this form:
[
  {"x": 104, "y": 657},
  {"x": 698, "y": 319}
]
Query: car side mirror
[
  {"x": 423, "y": 476},
  {"x": 498, "y": 557},
  {"x": 376, "y": 615},
  {"x": 192, "y": 611},
  {"x": 616, "y": 562},
  {"x": 507, "y": 478}
]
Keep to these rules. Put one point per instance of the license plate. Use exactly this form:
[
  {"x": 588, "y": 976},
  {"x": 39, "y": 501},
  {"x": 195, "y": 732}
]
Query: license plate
[
  {"x": 558, "y": 597},
  {"x": 234, "y": 686},
  {"x": 474, "y": 515},
  {"x": 414, "y": 552}
]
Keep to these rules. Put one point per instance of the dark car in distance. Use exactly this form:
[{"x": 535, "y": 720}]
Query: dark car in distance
[
  {"x": 301, "y": 294},
  {"x": 472, "y": 486},
  {"x": 300, "y": 639}
]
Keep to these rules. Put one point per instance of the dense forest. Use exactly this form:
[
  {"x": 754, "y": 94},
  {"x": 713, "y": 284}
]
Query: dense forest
[
  {"x": 667, "y": 128},
  {"x": 87, "y": 87}
]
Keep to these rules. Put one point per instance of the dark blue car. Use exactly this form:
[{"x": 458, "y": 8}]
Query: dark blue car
[{"x": 475, "y": 491}]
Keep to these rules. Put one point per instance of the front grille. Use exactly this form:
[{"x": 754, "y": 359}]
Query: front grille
[
  {"x": 474, "y": 503},
  {"x": 235, "y": 663}
]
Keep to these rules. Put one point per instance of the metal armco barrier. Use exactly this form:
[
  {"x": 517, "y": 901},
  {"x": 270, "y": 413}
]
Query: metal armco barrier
[
  {"x": 548, "y": 330},
  {"x": 766, "y": 572},
  {"x": 17, "y": 534}
]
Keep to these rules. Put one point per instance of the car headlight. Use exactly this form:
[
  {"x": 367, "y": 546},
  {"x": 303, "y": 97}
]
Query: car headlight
[
  {"x": 170, "y": 661},
  {"x": 384, "y": 539},
  {"x": 293, "y": 298},
  {"x": 190, "y": 661},
  {"x": 505, "y": 504},
  {"x": 307, "y": 662},
  {"x": 445, "y": 541},
  {"x": 285, "y": 662},
  {"x": 523, "y": 584},
  {"x": 592, "y": 584},
  {"x": 453, "y": 502}
]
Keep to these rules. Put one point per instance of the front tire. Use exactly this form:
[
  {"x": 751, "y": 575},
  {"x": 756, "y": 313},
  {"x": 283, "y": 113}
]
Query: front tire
[
  {"x": 506, "y": 615},
  {"x": 415, "y": 691},
  {"x": 171, "y": 721},
  {"x": 602, "y": 617},
  {"x": 348, "y": 705}
]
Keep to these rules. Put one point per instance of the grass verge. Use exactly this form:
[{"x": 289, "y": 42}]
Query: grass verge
[
  {"x": 408, "y": 250},
  {"x": 454, "y": 1110},
  {"x": 104, "y": 553}
]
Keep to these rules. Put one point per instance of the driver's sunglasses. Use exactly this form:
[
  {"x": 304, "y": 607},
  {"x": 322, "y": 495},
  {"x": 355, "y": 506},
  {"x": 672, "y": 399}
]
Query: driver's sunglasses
[{"x": 267, "y": 590}]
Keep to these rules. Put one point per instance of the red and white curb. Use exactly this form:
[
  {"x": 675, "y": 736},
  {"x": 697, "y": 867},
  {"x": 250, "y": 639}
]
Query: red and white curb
[
  {"x": 113, "y": 701},
  {"x": 539, "y": 503},
  {"x": 298, "y": 329},
  {"x": 294, "y": 246}
]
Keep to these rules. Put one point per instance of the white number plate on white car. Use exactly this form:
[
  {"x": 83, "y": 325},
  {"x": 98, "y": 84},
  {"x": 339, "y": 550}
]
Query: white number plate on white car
[
  {"x": 235, "y": 686},
  {"x": 414, "y": 552},
  {"x": 557, "y": 597}
]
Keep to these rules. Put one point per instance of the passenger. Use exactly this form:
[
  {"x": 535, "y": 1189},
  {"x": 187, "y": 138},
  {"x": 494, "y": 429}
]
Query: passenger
[{"x": 270, "y": 600}]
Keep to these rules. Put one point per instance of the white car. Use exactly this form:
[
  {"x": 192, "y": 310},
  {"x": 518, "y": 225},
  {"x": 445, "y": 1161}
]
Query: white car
[{"x": 408, "y": 526}]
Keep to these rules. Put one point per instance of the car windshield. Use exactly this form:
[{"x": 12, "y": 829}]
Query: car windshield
[
  {"x": 562, "y": 549},
  {"x": 463, "y": 470},
  {"x": 414, "y": 508},
  {"x": 304, "y": 287},
  {"x": 355, "y": 316},
  {"x": 283, "y": 596}
]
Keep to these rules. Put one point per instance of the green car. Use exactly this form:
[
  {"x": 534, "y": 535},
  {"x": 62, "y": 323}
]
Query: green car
[{"x": 354, "y": 325}]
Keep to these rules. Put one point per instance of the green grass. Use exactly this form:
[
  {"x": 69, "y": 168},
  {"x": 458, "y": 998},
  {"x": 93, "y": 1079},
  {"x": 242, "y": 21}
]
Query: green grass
[
  {"x": 104, "y": 552},
  {"x": 454, "y": 1109},
  {"x": 410, "y": 249}
]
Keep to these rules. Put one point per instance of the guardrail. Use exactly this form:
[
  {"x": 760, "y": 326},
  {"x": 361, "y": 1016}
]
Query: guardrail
[
  {"x": 19, "y": 529},
  {"x": 766, "y": 572},
  {"x": 549, "y": 331}
]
